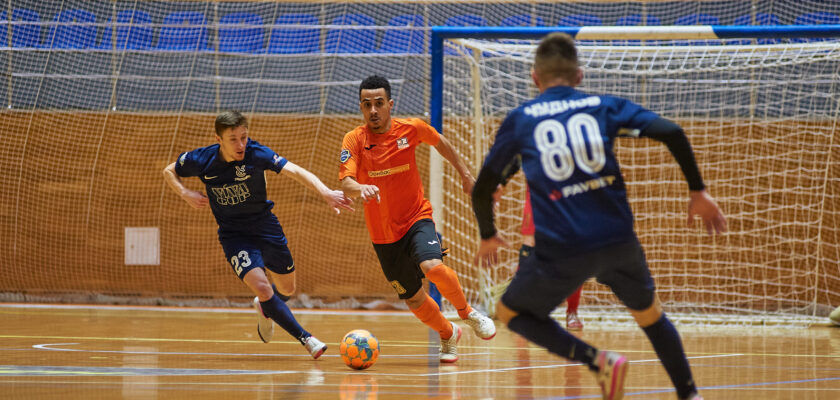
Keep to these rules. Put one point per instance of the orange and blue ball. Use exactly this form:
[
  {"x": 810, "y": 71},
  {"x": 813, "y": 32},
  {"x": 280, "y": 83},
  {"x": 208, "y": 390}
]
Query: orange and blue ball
[{"x": 359, "y": 349}]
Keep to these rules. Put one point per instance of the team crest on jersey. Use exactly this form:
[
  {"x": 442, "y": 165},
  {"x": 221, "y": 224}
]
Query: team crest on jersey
[
  {"x": 345, "y": 155},
  {"x": 402, "y": 143},
  {"x": 240, "y": 173},
  {"x": 181, "y": 160}
]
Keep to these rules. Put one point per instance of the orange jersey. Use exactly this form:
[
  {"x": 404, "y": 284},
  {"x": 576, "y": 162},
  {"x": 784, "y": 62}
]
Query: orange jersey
[{"x": 387, "y": 160}]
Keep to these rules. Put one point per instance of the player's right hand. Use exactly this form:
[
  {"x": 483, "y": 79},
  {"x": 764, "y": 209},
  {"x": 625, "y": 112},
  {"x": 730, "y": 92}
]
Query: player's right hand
[
  {"x": 337, "y": 200},
  {"x": 369, "y": 192},
  {"x": 196, "y": 199},
  {"x": 487, "y": 254}
]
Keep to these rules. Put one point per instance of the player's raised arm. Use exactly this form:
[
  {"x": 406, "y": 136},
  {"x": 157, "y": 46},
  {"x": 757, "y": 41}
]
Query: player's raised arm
[
  {"x": 353, "y": 189},
  {"x": 193, "y": 198},
  {"x": 700, "y": 203},
  {"x": 448, "y": 152},
  {"x": 334, "y": 198}
]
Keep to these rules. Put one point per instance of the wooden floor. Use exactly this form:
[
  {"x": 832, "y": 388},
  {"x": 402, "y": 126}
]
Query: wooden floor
[{"x": 61, "y": 352}]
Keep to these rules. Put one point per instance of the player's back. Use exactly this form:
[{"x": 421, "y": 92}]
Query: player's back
[{"x": 565, "y": 138}]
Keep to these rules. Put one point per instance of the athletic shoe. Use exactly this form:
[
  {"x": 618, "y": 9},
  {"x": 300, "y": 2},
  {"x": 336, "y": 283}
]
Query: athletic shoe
[
  {"x": 573, "y": 323},
  {"x": 612, "y": 368},
  {"x": 693, "y": 396},
  {"x": 834, "y": 317},
  {"x": 265, "y": 326},
  {"x": 314, "y": 346},
  {"x": 448, "y": 347},
  {"x": 483, "y": 326}
]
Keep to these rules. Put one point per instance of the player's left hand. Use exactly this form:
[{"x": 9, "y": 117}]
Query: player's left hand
[
  {"x": 487, "y": 254},
  {"x": 703, "y": 205},
  {"x": 337, "y": 200}
]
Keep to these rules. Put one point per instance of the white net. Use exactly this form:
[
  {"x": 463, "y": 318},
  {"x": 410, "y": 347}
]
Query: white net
[
  {"x": 99, "y": 95},
  {"x": 762, "y": 119}
]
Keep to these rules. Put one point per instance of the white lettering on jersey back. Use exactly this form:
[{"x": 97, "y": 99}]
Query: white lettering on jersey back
[{"x": 554, "y": 107}]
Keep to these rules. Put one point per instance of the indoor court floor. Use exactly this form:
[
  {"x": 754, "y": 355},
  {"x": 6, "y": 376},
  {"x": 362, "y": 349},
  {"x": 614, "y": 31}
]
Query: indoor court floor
[{"x": 111, "y": 352}]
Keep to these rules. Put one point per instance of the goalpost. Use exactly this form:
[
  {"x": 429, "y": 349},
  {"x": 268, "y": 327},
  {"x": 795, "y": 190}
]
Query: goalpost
[{"x": 758, "y": 103}]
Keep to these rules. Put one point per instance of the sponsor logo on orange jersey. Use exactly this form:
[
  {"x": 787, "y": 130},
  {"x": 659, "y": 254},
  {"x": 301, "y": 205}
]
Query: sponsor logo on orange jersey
[{"x": 389, "y": 171}]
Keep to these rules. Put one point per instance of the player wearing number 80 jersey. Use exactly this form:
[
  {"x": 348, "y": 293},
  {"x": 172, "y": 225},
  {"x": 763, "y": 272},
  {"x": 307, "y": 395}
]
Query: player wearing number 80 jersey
[
  {"x": 563, "y": 141},
  {"x": 565, "y": 138}
]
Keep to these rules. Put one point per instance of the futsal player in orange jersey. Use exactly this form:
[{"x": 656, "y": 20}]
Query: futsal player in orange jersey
[
  {"x": 573, "y": 322},
  {"x": 378, "y": 165}
]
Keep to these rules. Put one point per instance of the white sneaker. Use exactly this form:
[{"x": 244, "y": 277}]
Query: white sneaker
[
  {"x": 265, "y": 326},
  {"x": 314, "y": 346},
  {"x": 483, "y": 326},
  {"x": 612, "y": 368},
  {"x": 448, "y": 347}
]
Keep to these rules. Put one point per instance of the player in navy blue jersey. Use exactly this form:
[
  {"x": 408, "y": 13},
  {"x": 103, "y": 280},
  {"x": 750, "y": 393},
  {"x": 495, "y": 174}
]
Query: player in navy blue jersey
[
  {"x": 233, "y": 173},
  {"x": 563, "y": 142}
]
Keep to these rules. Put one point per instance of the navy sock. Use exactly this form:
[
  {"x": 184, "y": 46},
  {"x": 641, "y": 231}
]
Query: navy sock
[
  {"x": 549, "y": 334},
  {"x": 280, "y": 295},
  {"x": 666, "y": 341},
  {"x": 278, "y": 311}
]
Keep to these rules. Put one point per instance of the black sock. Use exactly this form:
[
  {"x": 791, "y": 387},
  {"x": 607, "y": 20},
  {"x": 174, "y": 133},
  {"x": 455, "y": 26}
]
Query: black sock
[
  {"x": 278, "y": 311},
  {"x": 666, "y": 341},
  {"x": 549, "y": 334}
]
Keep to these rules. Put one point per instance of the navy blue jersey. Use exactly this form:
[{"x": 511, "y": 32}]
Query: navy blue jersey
[
  {"x": 236, "y": 189},
  {"x": 565, "y": 140}
]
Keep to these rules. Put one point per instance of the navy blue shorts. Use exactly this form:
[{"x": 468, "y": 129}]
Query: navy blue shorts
[
  {"x": 246, "y": 252},
  {"x": 400, "y": 261},
  {"x": 543, "y": 282}
]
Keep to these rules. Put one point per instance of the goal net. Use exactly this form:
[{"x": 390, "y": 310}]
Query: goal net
[{"x": 762, "y": 118}]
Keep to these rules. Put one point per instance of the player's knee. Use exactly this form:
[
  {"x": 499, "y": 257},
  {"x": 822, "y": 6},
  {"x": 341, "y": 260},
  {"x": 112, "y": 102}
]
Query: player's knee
[
  {"x": 263, "y": 291},
  {"x": 648, "y": 316},
  {"x": 503, "y": 313},
  {"x": 429, "y": 264},
  {"x": 414, "y": 302},
  {"x": 286, "y": 288}
]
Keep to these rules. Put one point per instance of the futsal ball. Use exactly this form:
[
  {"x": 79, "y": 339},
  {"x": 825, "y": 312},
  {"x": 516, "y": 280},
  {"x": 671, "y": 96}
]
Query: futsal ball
[{"x": 359, "y": 349}]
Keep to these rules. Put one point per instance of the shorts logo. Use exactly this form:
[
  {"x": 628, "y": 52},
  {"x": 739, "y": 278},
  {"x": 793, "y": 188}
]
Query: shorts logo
[
  {"x": 399, "y": 288},
  {"x": 402, "y": 143},
  {"x": 345, "y": 155}
]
